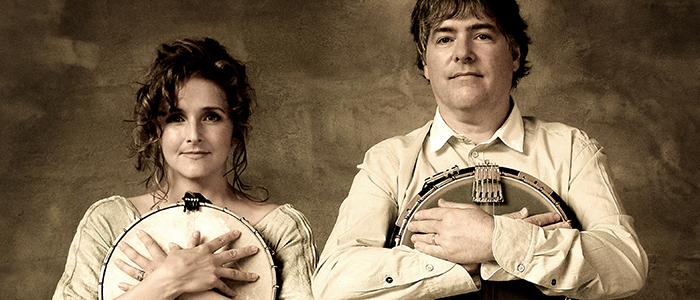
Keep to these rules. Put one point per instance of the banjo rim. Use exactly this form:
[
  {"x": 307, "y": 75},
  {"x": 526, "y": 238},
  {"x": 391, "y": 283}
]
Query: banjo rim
[{"x": 181, "y": 205}]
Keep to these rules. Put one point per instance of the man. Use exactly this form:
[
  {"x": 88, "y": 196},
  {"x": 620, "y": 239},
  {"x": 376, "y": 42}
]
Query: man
[{"x": 473, "y": 53}]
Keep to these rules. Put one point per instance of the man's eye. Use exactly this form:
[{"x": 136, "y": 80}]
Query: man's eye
[
  {"x": 443, "y": 40},
  {"x": 483, "y": 36}
]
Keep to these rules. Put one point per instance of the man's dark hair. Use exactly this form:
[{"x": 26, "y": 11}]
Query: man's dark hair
[{"x": 428, "y": 14}]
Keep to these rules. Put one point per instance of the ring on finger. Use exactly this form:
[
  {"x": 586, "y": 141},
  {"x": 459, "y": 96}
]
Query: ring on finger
[
  {"x": 433, "y": 239},
  {"x": 140, "y": 275}
]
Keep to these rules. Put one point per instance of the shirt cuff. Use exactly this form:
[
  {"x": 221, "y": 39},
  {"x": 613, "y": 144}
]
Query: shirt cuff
[
  {"x": 513, "y": 246},
  {"x": 448, "y": 285},
  {"x": 441, "y": 277}
]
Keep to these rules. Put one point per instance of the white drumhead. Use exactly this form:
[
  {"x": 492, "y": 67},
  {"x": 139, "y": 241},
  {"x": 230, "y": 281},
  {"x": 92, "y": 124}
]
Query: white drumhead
[{"x": 172, "y": 224}]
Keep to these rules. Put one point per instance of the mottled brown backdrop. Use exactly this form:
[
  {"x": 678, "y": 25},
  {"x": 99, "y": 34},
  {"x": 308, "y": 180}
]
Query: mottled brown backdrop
[{"x": 332, "y": 79}]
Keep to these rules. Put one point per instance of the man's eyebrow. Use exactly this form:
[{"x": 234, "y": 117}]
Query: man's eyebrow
[{"x": 475, "y": 26}]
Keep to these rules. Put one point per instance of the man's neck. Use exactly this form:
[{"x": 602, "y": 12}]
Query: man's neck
[{"x": 478, "y": 125}]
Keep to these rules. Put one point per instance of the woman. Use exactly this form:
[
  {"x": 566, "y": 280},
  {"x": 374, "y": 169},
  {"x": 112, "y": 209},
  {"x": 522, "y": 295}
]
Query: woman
[{"x": 191, "y": 119}]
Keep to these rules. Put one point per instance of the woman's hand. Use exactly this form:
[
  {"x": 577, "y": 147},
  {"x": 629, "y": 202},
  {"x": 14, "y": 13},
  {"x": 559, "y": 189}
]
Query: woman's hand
[{"x": 193, "y": 269}]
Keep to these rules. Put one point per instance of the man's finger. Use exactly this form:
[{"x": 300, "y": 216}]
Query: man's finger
[
  {"x": 435, "y": 213},
  {"x": 444, "y": 203},
  {"x": 432, "y": 250},
  {"x": 425, "y": 238},
  {"x": 521, "y": 214},
  {"x": 422, "y": 226},
  {"x": 543, "y": 219},
  {"x": 561, "y": 224}
]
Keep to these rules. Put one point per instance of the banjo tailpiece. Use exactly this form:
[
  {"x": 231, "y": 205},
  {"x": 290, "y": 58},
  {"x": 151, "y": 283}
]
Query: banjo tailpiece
[
  {"x": 193, "y": 201},
  {"x": 487, "y": 184}
]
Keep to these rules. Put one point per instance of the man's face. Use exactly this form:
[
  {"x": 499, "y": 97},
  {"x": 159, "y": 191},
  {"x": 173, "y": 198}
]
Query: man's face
[{"x": 469, "y": 64}]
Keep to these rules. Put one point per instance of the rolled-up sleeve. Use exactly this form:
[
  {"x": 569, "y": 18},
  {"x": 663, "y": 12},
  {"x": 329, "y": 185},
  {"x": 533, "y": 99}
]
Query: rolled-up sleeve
[{"x": 603, "y": 259}]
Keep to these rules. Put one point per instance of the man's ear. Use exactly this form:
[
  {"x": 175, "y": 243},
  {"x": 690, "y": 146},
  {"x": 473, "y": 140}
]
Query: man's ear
[
  {"x": 516, "y": 58},
  {"x": 426, "y": 73}
]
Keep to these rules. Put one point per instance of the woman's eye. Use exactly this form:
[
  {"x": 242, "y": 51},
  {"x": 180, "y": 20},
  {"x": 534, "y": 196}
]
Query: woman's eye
[
  {"x": 212, "y": 117},
  {"x": 174, "y": 119}
]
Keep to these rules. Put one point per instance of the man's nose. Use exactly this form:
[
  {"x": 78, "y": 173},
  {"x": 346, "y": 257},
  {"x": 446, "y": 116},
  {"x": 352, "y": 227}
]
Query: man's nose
[{"x": 463, "y": 52}]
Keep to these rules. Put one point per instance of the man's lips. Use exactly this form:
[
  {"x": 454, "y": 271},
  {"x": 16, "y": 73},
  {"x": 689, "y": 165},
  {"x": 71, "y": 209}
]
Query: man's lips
[{"x": 465, "y": 74}]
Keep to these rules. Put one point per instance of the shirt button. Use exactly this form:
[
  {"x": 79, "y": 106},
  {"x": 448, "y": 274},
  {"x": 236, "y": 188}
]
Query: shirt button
[
  {"x": 388, "y": 279},
  {"x": 521, "y": 268},
  {"x": 429, "y": 267},
  {"x": 475, "y": 154}
]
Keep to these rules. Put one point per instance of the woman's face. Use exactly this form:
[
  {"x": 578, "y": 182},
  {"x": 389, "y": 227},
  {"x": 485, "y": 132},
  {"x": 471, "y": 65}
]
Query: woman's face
[{"x": 197, "y": 135}]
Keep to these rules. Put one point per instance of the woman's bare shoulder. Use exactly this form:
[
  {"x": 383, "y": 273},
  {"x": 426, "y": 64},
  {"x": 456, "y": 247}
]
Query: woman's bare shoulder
[{"x": 143, "y": 203}]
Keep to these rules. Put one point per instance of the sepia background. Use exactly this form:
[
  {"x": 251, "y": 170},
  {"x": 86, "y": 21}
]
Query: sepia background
[{"x": 333, "y": 78}]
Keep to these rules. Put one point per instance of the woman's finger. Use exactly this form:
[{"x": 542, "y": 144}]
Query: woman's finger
[
  {"x": 222, "y": 287},
  {"x": 222, "y": 240},
  {"x": 234, "y": 254},
  {"x": 173, "y": 246},
  {"x": 129, "y": 270},
  {"x": 236, "y": 275},
  {"x": 125, "y": 286},
  {"x": 193, "y": 240},
  {"x": 151, "y": 245},
  {"x": 136, "y": 257}
]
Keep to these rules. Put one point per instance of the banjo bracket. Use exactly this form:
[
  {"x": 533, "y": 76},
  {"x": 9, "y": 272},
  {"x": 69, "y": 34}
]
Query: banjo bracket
[{"x": 430, "y": 181}]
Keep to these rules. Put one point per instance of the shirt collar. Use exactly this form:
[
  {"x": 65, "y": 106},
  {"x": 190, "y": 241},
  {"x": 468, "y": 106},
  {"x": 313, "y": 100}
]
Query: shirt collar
[{"x": 511, "y": 133}]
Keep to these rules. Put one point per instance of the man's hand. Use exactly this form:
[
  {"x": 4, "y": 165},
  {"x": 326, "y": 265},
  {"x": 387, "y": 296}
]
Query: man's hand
[
  {"x": 457, "y": 232},
  {"x": 548, "y": 221},
  {"x": 462, "y": 233}
]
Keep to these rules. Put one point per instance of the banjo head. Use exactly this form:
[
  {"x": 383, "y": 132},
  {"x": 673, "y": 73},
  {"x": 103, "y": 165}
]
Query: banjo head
[
  {"x": 519, "y": 190},
  {"x": 174, "y": 224}
]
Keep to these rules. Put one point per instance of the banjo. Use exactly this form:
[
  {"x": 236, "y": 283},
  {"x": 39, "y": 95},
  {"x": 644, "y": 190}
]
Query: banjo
[
  {"x": 497, "y": 190},
  {"x": 175, "y": 223}
]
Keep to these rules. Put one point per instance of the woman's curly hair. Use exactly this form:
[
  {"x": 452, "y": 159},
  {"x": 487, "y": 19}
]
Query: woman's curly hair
[{"x": 175, "y": 64}]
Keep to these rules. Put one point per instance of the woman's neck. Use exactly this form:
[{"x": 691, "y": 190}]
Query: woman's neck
[{"x": 218, "y": 191}]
